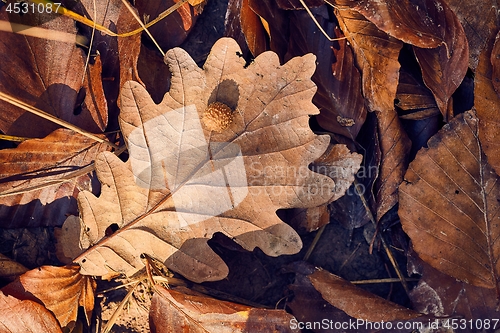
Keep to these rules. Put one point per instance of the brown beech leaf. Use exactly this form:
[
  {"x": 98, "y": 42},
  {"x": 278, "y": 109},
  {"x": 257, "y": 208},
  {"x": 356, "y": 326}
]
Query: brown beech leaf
[
  {"x": 480, "y": 22},
  {"x": 277, "y": 20},
  {"x": 356, "y": 302},
  {"x": 253, "y": 29},
  {"x": 408, "y": 21},
  {"x": 444, "y": 296},
  {"x": 178, "y": 24},
  {"x": 61, "y": 290},
  {"x": 49, "y": 77},
  {"x": 487, "y": 103},
  {"x": 376, "y": 55},
  {"x": 183, "y": 182},
  {"x": 172, "y": 311},
  {"x": 444, "y": 68},
  {"x": 339, "y": 98},
  {"x": 25, "y": 316},
  {"x": 43, "y": 163},
  {"x": 449, "y": 205}
]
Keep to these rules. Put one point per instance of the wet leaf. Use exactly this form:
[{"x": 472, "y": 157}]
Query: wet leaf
[
  {"x": 357, "y": 302},
  {"x": 240, "y": 177},
  {"x": 449, "y": 205},
  {"x": 60, "y": 289},
  {"x": 25, "y": 316},
  {"x": 43, "y": 163},
  {"x": 173, "y": 311}
]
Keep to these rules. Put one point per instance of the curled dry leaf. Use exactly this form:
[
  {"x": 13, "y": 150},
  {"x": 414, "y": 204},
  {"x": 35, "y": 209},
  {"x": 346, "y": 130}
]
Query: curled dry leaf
[
  {"x": 35, "y": 169},
  {"x": 49, "y": 77},
  {"x": 61, "y": 290},
  {"x": 25, "y": 316},
  {"x": 172, "y": 311},
  {"x": 449, "y": 205},
  {"x": 183, "y": 183},
  {"x": 356, "y": 302}
]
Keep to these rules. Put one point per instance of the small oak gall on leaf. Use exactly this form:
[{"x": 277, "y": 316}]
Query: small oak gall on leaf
[{"x": 217, "y": 117}]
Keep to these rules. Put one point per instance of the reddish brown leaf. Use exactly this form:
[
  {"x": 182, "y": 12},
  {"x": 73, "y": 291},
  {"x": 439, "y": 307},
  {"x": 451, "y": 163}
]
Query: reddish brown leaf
[
  {"x": 395, "y": 146},
  {"x": 376, "y": 54},
  {"x": 278, "y": 24},
  {"x": 60, "y": 289},
  {"x": 339, "y": 98},
  {"x": 444, "y": 296},
  {"x": 487, "y": 104},
  {"x": 172, "y": 312},
  {"x": 408, "y": 21},
  {"x": 357, "y": 302},
  {"x": 25, "y": 316},
  {"x": 444, "y": 68},
  {"x": 495, "y": 64},
  {"x": 414, "y": 98},
  {"x": 178, "y": 24},
  {"x": 480, "y": 22},
  {"x": 449, "y": 205},
  {"x": 253, "y": 30},
  {"x": 40, "y": 163},
  {"x": 48, "y": 74}
]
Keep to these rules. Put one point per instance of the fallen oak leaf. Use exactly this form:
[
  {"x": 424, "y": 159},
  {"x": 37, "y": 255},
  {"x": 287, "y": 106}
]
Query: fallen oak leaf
[{"x": 182, "y": 183}]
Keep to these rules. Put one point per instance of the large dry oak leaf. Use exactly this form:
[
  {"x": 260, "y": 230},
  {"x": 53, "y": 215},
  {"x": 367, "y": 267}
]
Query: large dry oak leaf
[
  {"x": 182, "y": 182},
  {"x": 449, "y": 205}
]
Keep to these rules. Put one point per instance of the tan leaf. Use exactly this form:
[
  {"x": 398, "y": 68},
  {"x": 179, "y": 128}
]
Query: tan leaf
[
  {"x": 39, "y": 165},
  {"x": 172, "y": 311},
  {"x": 25, "y": 316},
  {"x": 356, "y": 302},
  {"x": 61, "y": 289},
  {"x": 449, "y": 205},
  {"x": 182, "y": 183}
]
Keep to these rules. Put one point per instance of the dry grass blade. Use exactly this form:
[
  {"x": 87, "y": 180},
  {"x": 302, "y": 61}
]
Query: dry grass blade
[
  {"x": 27, "y": 30},
  {"x": 116, "y": 314},
  {"x": 45, "y": 115}
]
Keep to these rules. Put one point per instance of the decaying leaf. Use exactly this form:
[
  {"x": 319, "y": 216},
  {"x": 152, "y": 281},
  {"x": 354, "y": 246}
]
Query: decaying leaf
[
  {"x": 25, "y": 316},
  {"x": 449, "y": 205},
  {"x": 173, "y": 311},
  {"x": 182, "y": 183},
  {"x": 487, "y": 103},
  {"x": 49, "y": 77},
  {"x": 339, "y": 97},
  {"x": 357, "y": 302},
  {"x": 43, "y": 163},
  {"x": 60, "y": 289}
]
